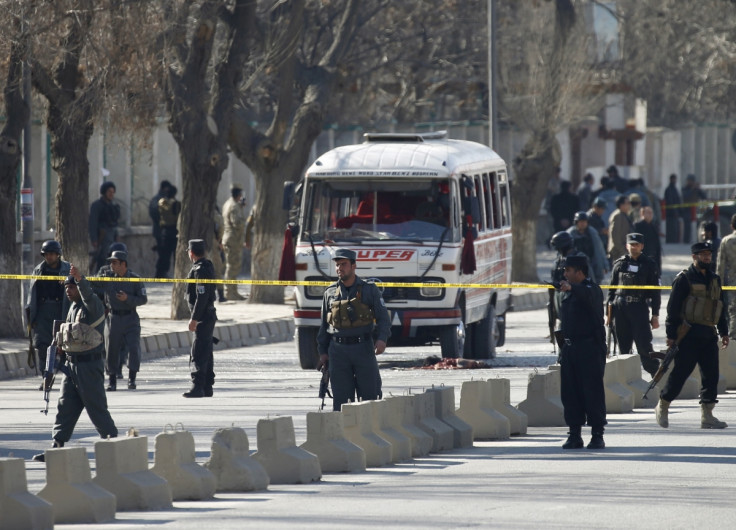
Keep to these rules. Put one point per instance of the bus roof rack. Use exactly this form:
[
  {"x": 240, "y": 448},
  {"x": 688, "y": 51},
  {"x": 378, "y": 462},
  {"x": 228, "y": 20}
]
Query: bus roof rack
[{"x": 405, "y": 137}]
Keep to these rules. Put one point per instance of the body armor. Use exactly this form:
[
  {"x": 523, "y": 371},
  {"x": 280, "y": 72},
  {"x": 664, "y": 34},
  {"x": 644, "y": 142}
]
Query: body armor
[
  {"x": 703, "y": 305},
  {"x": 351, "y": 313}
]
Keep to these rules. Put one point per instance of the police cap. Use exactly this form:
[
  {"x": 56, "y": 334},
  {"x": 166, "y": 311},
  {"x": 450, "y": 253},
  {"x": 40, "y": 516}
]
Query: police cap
[
  {"x": 196, "y": 246},
  {"x": 70, "y": 280},
  {"x": 635, "y": 237},
  {"x": 51, "y": 246},
  {"x": 579, "y": 261},
  {"x": 344, "y": 253},
  {"x": 581, "y": 216},
  {"x": 117, "y": 246},
  {"x": 118, "y": 255},
  {"x": 701, "y": 246}
]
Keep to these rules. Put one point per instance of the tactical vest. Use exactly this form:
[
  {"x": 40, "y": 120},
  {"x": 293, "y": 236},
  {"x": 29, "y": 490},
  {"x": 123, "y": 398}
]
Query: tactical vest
[
  {"x": 703, "y": 305},
  {"x": 168, "y": 212},
  {"x": 351, "y": 313}
]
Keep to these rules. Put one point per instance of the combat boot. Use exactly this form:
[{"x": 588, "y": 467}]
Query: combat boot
[
  {"x": 113, "y": 386},
  {"x": 131, "y": 380},
  {"x": 574, "y": 440},
  {"x": 707, "y": 420},
  {"x": 662, "y": 411},
  {"x": 41, "y": 457},
  {"x": 195, "y": 392},
  {"x": 221, "y": 295},
  {"x": 596, "y": 440}
]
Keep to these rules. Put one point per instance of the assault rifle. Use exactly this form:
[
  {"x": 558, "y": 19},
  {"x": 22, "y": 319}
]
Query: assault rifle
[
  {"x": 669, "y": 355},
  {"x": 53, "y": 365},
  {"x": 32, "y": 359},
  {"x": 610, "y": 337},
  {"x": 324, "y": 385},
  {"x": 552, "y": 314}
]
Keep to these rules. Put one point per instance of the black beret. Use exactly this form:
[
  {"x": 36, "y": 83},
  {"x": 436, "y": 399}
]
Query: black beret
[
  {"x": 700, "y": 247},
  {"x": 197, "y": 246},
  {"x": 578, "y": 261},
  {"x": 635, "y": 237}
]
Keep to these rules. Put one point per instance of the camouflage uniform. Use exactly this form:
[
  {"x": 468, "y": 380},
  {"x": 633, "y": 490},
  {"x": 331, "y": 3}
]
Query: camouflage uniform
[
  {"x": 233, "y": 214},
  {"x": 726, "y": 270},
  {"x": 217, "y": 254}
]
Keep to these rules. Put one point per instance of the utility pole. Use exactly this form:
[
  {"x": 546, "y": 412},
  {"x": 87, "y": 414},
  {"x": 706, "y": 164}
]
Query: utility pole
[{"x": 492, "y": 122}]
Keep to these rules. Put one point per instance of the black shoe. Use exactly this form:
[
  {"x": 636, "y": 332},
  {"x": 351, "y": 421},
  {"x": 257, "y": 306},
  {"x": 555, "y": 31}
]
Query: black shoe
[
  {"x": 574, "y": 441},
  {"x": 208, "y": 391},
  {"x": 111, "y": 387},
  {"x": 195, "y": 392},
  {"x": 131, "y": 385},
  {"x": 41, "y": 457},
  {"x": 596, "y": 442},
  {"x": 120, "y": 375},
  {"x": 40, "y": 387}
]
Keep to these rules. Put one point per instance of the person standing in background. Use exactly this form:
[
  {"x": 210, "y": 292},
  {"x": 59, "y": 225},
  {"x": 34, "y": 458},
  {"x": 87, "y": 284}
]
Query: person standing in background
[
  {"x": 104, "y": 215},
  {"x": 168, "y": 209},
  {"x": 672, "y": 201},
  {"x": 233, "y": 214},
  {"x": 153, "y": 212}
]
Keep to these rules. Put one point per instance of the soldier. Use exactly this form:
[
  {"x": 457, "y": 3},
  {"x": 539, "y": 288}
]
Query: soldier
[
  {"x": 201, "y": 297},
  {"x": 583, "y": 356},
  {"x": 103, "y": 225},
  {"x": 349, "y": 309},
  {"x": 46, "y": 299},
  {"x": 123, "y": 323},
  {"x": 168, "y": 210},
  {"x": 726, "y": 270},
  {"x": 630, "y": 307},
  {"x": 233, "y": 213},
  {"x": 696, "y": 298},
  {"x": 84, "y": 388}
]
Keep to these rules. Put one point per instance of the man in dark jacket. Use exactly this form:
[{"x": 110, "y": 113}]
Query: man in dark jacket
[
  {"x": 153, "y": 211},
  {"x": 563, "y": 206},
  {"x": 104, "y": 215},
  {"x": 672, "y": 201},
  {"x": 652, "y": 244}
]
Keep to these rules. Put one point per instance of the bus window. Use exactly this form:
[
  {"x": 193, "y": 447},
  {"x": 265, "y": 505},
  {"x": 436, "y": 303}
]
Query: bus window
[
  {"x": 488, "y": 196},
  {"x": 504, "y": 199},
  {"x": 481, "y": 221}
]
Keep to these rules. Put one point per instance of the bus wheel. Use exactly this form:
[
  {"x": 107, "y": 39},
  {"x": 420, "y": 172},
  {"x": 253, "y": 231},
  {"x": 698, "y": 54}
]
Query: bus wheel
[
  {"x": 452, "y": 340},
  {"x": 486, "y": 335},
  {"x": 306, "y": 345}
]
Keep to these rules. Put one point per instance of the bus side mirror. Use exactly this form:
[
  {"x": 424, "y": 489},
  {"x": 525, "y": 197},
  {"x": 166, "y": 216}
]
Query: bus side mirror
[{"x": 288, "y": 196}]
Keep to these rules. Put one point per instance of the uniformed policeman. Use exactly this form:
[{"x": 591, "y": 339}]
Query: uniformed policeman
[
  {"x": 123, "y": 323},
  {"x": 201, "y": 297},
  {"x": 697, "y": 298},
  {"x": 99, "y": 289},
  {"x": 46, "y": 299},
  {"x": 630, "y": 307},
  {"x": 352, "y": 309},
  {"x": 233, "y": 214},
  {"x": 562, "y": 242},
  {"x": 583, "y": 356}
]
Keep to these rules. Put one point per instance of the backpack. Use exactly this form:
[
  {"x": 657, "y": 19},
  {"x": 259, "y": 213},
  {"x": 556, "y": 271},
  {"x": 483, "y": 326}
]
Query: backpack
[{"x": 77, "y": 337}]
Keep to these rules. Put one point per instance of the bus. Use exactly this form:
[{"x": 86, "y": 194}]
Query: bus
[{"x": 418, "y": 209}]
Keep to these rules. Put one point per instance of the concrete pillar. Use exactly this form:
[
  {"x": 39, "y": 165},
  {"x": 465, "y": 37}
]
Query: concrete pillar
[
  {"x": 501, "y": 402},
  {"x": 543, "y": 405},
  {"x": 475, "y": 409},
  {"x": 326, "y": 439},
  {"x": 277, "y": 452},
  {"x": 383, "y": 427},
  {"x": 174, "y": 461},
  {"x": 231, "y": 464},
  {"x": 727, "y": 364},
  {"x": 443, "y": 436},
  {"x": 19, "y": 508},
  {"x": 358, "y": 425},
  {"x": 122, "y": 469},
  {"x": 403, "y": 409},
  {"x": 69, "y": 488},
  {"x": 445, "y": 409},
  {"x": 619, "y": 398}
]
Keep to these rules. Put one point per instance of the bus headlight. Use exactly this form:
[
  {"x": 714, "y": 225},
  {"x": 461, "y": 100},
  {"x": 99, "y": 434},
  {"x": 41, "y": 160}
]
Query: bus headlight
[
  {"x": 315, "y": 291},
  {"x": 431, "y": 290}
]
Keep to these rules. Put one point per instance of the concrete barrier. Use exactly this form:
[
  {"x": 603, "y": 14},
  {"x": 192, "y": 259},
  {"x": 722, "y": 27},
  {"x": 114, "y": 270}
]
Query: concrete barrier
[
  {"x": 543, "y": 405},
  {"x": 277, "y": 452},
  {"x": 476, "y": 410},
  {"x": 358, "y": 422},
  {"x": 383, "y": 426},
  {"x": 122, "y": 469},
  {"x": 402, "y": 408},
  {"x": 619, "y": 398},
  {"x": 632, "y": 376},
  {"x": 20, "y": 509},
  {"x": 174, "y": 460},
  {"x": 443, "y": 436},
  {"x": 444, "y": 406},
  {"x": 501, "y": 402},
  {"x": 70, "y": 490},
  {"x": 326, "y": 439},
  {"x": 727, "y": 364},
  {"x": 231, "y": 464}
]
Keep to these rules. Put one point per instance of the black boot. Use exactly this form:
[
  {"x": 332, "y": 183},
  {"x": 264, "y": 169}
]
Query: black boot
[
  {"x": 131, "y": 380},
  {"x": 41, "y": 457},
  {"x": 113, "y": 386},
  {"x": 596, "y": 440},
  {"x": 208, "y": 391},
  {"x": 195, "y": 392},
  {"x": 574, "y": 439},
  {"x": 221, "y": 295}
]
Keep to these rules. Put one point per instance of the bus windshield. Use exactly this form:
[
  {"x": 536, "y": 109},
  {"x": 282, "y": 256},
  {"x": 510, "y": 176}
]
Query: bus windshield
[{"x": 351, "y": 210}]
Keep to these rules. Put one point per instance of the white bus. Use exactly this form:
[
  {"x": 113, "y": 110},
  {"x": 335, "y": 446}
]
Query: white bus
[{"x": 417, "y": 208}]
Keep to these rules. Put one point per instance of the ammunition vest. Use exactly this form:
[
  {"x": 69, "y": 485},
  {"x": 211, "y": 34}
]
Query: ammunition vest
[
  {"x": 703, "y": 305},
  {"x": 351, "y": 313}
]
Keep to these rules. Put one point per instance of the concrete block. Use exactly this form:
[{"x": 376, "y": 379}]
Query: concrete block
[
  {"x": 122, "y": 469},
  {"x": 12, "y": 363},
  {"x": 262, "y": 330},
  {"x": 326, "y": 439},
  {"x": 443, "y": 436},
  {"x": 174, "y": 461},
  {"x": 727, "y": 365},
  {"x": 631, "y": 374},
  {"x": 358, "y": 425},
  {"x": 277, "y": 452},
  {"x": 244, "y": 332},
  {"x": 403, "y": 409},
  {"x": 231, "y": 463},
  {"x": 150, "y": 344},
  {"x": 172, "y": 341},
  {"x": 223, "y": 333},
  {"x": 19, "y": 508},
  {"x": 235, "y": 334},
  {"x": 383, "y": 427},
  {"x": 185, "y": 339},
  {"x": 70, "y": 490},
  {"x": 543, "y": 405},
  {"x": 444, "y": 406},
  {"x": 501, "y": 402},
  {"x": 619, "y": 398},
  {"x": 476, "y": 410}
]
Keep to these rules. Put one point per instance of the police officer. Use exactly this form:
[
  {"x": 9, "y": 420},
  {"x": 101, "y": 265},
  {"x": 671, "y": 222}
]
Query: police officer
[
  {"x": 46, "y": 299},
  {"x": 84, "y": 387},
  {"x": 350, "y": 307},
  {"x": 562, "y": 242},
  {"x": 233, "y": 214},
  {"x": 99, "y": 289},
  {"x": 201, "y": 297},
  {"x": 696, "y": 298},
  {"x": 103, "y": 224},
  {"x": 123, "y": 323},
  {"x": 583, "y": 356},
  {"x": 630, "y": 307}
]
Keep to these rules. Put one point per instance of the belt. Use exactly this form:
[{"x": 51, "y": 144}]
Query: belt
[
  {"x": 630, "y": 299},
  {"x": 84, "y": 358},
  {"x": 50, "y": 300},
  {"x": 573, "y": 340},
  {"x": 121, "y": 313},
  {"x": 353, "y": 339}
]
